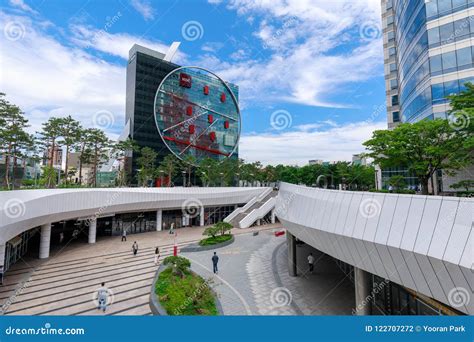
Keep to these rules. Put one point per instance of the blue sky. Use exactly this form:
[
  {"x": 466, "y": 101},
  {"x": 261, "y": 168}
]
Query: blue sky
[{"x": 310, "y": 73}]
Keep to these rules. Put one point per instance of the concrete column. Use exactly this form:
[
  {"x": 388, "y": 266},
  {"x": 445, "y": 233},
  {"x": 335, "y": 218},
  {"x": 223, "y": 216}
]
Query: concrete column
[
  {"x": 291, "y": 242},
  {"x": 362, "y": 291},
  {"x": 272, "y": 215},
  {"x": 159, "y": 220},
  {"x": 2, "y": 255},
  {"x": 92, "y": 230},
  {"x": 259, "y": 222},
  {"x": 201, "y": 216},
  {"x": 45, "y": 240}
]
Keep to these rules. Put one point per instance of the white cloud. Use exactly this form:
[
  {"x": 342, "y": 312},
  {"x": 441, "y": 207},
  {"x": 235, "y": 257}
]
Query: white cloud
[
  {"x": 299, "y": 146},
  {"x": 144, "y": 8},
  {"x": 117, "y": 44},
  {"x": 314, "y": 50},
  {"x": 21, "y": 5},
  {"x": 45, "y": 77}
]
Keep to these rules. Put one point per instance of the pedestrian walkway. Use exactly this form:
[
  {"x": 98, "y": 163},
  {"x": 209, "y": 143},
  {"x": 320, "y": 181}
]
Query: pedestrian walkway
[
  {"x": 253, "y": 279},
  {"x": 65, "y": 283}
]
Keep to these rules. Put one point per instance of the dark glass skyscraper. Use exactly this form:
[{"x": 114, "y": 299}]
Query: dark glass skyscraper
[{"x": 145, "y": 70}]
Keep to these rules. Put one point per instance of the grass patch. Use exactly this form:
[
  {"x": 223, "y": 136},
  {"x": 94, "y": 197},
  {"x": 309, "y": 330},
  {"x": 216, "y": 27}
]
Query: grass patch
[
  {"x": 185, "y": 294},
  {"x": 215, "y": 240}
]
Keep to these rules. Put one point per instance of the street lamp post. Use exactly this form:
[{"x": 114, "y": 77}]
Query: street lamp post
[
  {"x": 184, "y": 178},
  {"x": 222, "y": 178}
]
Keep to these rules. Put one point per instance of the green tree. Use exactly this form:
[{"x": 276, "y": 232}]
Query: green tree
[
  {"x": 82, "y": 147},
  {"x": 397, "y": 181},
  {"x": 464, "y": 184},
  {"x": 223, "y": 227},
  {"x": 423, "y": 147},
  {"x": 14, "y": 140},
  {"x": 169, "y": 165},
  {"x": 97, "y": 147},
  {"x": 49, "y": 136},
  {"x": 146, "y": 164},
  {"x": 69, "y": 129},
  {"x": 122, "y": 150}
]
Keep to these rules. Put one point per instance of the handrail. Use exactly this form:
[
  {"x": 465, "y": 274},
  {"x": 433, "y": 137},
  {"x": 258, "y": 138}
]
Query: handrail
[
  {"x": 257, "y": 213},
  {"x": 239, "y": 210}
]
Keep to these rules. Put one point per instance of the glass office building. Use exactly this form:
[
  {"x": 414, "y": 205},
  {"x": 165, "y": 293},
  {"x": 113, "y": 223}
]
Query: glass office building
[
  {"x": 145, "y": 70},
  {"x": 428, "y": 55}
]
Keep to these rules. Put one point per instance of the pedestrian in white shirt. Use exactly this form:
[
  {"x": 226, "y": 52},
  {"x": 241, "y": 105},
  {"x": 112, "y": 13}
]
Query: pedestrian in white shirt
[{"x": 311, "y": 262}]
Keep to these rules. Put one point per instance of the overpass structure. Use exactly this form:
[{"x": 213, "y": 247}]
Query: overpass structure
[
  {"x": 424, "y": 243},
  {"x": 24, "y": 210}
]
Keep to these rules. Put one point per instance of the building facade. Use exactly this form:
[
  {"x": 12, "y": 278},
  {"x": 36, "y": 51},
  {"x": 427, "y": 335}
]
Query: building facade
[
  {"x": 428, "y": 55},
  {"x": 146, "y": 70}
]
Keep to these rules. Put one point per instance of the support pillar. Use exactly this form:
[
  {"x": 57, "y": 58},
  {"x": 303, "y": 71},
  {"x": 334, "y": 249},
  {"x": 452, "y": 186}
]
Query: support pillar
[
  {"x": 362, "y": 292},
  {"x": 159, "y": 220},
  {"x": 201, "y": 216},
  {"x": 291, "y": 242},
  {"x": 45, "y": 240},
  {"x": 272, "y": 215},
  {"x": 2, "y": 262},
  {"x": 92, "y": 230}
]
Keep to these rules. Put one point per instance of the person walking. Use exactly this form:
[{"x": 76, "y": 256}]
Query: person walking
[
  {"x": 215, "y": 260},
  {"x": 157, "y": 255},
  {"x": 124, "y": 235},
  {"x": 135, "y": 248},
  {"x": 311, "y": 262},
  {"x": 102, "y": 297}
]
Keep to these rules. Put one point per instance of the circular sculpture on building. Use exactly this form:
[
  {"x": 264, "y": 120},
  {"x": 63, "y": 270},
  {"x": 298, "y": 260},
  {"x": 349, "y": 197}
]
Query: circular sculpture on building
[{"x": 197, "y": 114}]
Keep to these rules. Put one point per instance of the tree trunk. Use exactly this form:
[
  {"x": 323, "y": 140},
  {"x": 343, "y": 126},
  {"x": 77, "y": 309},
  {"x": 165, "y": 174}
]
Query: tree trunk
[
  {"x": 7, "y": 167},
  {"x": 80, "y": 164},
  {"x": 424, "y": 186},
  {"x": 66, "y": 163}
]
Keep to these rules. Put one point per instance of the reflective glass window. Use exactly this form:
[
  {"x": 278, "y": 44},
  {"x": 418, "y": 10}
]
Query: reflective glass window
[
  {"x": 461, "y": 28},
  {"x": 464, "y": 56},
  {"x": 391, "y": 51},
  {"x": 393, "y": 67},
  {"x": 396, "y": 116},
  {"x": 451, "y": 88},
  {"x": 391, "y": 35},
  {"x": 393, "y": 84},
  {"x": 435, "y": 65},
  {"x": 446, "y": 33},
  {"x": 389, "y": 20},
  {"x": 444, "y": 6},
  {"x": 433, "y": 36},
  {"x": 458, "y": 3},
  {"x": 449, "y": 61},
  {"x": 431, "y": 8},
  {"x": 394, "y": 100},
  {"x": 437, "y": 92}
]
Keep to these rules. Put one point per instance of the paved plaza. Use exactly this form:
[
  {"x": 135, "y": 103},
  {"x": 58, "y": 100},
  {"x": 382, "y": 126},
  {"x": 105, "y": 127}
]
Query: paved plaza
[{"x": 253, "y": 277}]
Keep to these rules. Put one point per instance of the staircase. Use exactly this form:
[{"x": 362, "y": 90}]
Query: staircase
[{"x": 254, "y": 210}]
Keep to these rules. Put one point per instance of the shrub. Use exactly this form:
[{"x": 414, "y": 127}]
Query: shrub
[
  {"x": 223, "y": 227},
  {"x": 211, "y": 231},
  {"x": 179, "y": 264},
  {"x": 215, "y": 240}
]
